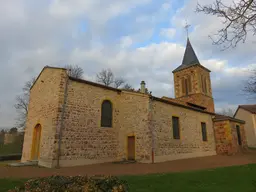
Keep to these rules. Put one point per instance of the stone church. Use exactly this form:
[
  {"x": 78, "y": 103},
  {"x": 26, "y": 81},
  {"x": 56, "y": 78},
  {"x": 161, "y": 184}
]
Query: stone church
[{"x": 74, "y": 122}]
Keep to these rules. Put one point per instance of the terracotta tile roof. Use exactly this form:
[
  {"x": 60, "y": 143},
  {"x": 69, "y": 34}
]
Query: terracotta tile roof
[
  {"x": 94, "y": 84},
  {"x": 250, "y": 108},
  {"x": 178, "y": 103},
  {"x": 175, "y": 100},
  {"x": 219, "y": 117}
]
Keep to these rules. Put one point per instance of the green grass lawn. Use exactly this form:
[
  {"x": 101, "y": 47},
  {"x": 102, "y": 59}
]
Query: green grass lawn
[
  {"x": 4, "y": 163},
  {"x": 6, "y": 184},
  {"x": 13, "y": 148},
  {"x": 229, "y": 179}
]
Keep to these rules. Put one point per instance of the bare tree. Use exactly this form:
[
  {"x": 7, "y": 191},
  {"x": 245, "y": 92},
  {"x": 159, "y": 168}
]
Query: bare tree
[
  {"x": 250, "y": 84},
  {"x": 21, "y": 104},
  {"x": 75, "y": 71},
  {"x": 107, "y": 77},
  {"x": 128, "y": 87},
  {"x": 118, "y": 82},
  {"x": 239, "y": 18},
  {"x": 228, "y": 112},
  {"x": 13, "y": 130},
  {"x": 2, "y": 131}
]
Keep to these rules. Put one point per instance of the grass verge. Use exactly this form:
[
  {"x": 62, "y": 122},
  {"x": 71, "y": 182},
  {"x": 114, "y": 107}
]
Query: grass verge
[{"x": 227, "y": 179}]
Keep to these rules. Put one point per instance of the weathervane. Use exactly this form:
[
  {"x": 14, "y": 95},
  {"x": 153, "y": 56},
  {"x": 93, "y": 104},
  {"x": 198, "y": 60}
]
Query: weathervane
[{"x": 186, "y": 27}]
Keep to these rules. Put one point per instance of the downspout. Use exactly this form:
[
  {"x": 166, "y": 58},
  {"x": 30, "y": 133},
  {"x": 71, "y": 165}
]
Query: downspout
[
  {"x": 62, "y": 121},
  {"x": 151, "y": 128}
]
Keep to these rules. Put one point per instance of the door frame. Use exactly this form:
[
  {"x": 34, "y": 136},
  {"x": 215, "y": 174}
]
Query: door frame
[
  {"x": 127, "y": 145},
  {"x": 34, "y": 141}
]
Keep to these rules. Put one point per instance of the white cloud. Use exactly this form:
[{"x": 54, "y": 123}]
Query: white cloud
[
  {"x": 12, "y": 11},
  {"x": 215, "y": 65},
  {"x": 35, "y": 35},
  {"x": 126, "y": 42},
  {"x": 168, "y": 32},
  {"x": 220, "y": 106},
  {"x": 95, "y": 10}
]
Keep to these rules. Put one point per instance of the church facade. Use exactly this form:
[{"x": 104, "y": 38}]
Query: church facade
[{"x": 74, "y": 122}]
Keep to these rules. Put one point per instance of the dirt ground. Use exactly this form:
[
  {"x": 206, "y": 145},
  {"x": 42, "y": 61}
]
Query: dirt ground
[{"x": 133, "y": 169}]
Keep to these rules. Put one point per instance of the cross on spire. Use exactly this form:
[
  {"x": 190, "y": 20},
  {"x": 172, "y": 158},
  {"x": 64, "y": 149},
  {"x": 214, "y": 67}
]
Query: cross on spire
[{"x": 186, "y": 27}]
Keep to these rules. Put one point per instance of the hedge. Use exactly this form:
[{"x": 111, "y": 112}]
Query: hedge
[{"x": 73, "y": 184}]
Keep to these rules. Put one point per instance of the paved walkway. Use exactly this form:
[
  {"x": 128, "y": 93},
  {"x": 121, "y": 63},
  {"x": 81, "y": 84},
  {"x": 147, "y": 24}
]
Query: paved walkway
[{"x": 132, "y": 169}]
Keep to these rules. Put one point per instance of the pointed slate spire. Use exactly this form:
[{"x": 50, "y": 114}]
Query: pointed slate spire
[{"x": 189, "y": 57}]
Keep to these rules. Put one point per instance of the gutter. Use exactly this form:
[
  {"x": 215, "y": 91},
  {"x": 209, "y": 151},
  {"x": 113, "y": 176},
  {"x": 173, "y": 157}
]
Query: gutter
[
  {"x": 62, "y": 121},
  {"x": 151, "y": 129}
]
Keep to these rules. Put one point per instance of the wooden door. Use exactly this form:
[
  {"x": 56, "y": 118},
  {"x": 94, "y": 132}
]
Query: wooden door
[
  {"x": 131, "y": 147},
  {"x": 36, "y": 143},
  {"x": 238, "y": 135}
]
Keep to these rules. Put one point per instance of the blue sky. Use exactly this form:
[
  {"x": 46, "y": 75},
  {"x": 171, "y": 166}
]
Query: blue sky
[{"x": 138, "y": 40}]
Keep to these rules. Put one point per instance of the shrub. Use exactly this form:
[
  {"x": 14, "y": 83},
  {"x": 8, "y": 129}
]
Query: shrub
[{"x": 73, "y": 184}]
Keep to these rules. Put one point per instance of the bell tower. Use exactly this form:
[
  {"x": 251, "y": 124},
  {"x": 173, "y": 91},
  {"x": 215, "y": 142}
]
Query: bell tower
[{"x": 192, "y": 82}]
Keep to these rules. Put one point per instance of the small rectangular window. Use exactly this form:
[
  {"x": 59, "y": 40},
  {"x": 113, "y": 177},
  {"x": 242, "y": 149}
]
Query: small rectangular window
[
  {"x": 176, "y": 127},
  {"x": 204, "y": 133}
]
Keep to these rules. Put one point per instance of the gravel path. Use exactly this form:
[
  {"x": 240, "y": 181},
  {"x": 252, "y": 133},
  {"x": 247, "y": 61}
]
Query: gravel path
[{"x": 133, "y": 169}]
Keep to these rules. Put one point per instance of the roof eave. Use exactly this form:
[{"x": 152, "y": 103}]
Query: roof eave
[
  {"x": 94, "y": 84},
  {"x": 230, "y": 119},
  {"x": 181, "y": 105},
  {"x": 186, "y": 67}
]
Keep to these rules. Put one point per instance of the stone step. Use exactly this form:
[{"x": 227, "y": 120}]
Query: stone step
[
  {"x": 22, "y": 164},
  {"x": 125, "y": 162}
]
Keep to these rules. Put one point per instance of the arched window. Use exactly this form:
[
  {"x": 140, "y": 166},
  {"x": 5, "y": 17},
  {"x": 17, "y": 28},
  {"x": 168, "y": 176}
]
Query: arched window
[
  {"x": 183, "y": 86},
  {"x": 106, "y": 114},
  {"x": 186, "y": 86},
  {"x": 189, "y": 84},
  {"x": 205, "y": 85}
]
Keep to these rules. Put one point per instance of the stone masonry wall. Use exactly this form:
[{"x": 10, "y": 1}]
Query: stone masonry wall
[
  {"x": 201, "y": 100},
  {"x": 195, "y": 73},
  {"x": 84, "y": 141},
  {"x": 134, "y": 120},
  {"x": 226, "y": 137},
  {"x": 192, "y": 71},
  {"x": 235, "y": 144},
  {"x": 44, "y": 108},
  {"x": 190, "y": 144},
  {"x": 223, "y": 137},
  {"x": 201, "y": 71},
  {"x": 196, "y": 96}
]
